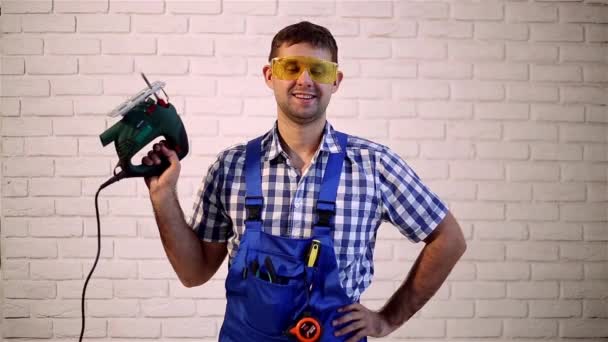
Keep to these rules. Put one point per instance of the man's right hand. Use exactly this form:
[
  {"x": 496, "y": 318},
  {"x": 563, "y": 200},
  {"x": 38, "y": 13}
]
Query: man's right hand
[{"x": 167, "y": 181}]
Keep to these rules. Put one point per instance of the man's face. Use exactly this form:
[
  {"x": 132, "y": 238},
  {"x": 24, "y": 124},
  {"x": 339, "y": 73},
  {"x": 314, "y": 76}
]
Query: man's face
[{"x": 301, "y": 100}]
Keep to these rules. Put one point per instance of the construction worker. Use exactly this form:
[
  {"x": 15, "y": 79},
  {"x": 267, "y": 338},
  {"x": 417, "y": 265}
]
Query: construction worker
[{"x": 297, "y": 211}]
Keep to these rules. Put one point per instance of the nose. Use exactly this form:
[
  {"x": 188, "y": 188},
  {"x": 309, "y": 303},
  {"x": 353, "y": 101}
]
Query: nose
[{"x": 304, "y": 79}]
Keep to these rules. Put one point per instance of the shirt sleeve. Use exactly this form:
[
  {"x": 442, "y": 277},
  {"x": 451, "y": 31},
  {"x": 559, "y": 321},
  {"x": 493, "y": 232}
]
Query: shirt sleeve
[
  {"x": 407, "y": 203},
  {"x": 209, "y": 218}
]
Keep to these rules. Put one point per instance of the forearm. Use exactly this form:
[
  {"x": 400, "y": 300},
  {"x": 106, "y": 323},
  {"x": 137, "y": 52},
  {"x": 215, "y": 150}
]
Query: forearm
[
  {"x": 182, "y": 246},
  {"x": 428, "y": 273}
]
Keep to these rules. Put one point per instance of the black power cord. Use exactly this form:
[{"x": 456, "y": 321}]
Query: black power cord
[{"x": 112, "y": 180}]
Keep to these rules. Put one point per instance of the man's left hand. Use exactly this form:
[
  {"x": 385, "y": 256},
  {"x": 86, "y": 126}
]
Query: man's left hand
[{"x": 362, "y": 320}]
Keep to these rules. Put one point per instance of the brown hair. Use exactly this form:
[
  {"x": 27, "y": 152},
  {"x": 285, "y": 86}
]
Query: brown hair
[{"x": 305, "y": 32}]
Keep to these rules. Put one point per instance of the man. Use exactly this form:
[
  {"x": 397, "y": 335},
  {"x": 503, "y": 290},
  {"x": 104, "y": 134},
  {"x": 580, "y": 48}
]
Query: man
[{"x": 297, "y": 211}]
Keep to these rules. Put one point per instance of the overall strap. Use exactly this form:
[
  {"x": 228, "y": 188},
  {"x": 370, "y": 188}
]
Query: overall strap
[
  {"x": 254, "y": 201},
  {"x": 326, "y": 203}
]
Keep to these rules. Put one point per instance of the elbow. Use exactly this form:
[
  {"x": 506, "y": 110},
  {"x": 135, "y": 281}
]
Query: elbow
[{"x": 191, "y": 282}]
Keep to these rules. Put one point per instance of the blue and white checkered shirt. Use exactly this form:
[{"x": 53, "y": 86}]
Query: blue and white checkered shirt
[{"x": 376, "y": 185}]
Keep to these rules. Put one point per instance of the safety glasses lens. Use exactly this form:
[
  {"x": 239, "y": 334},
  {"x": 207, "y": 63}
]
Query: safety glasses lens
[{"x": 290, "y": 68}]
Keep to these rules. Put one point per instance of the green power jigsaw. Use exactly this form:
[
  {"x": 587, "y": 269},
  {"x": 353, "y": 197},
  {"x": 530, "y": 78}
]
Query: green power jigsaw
[{"x": 143, "y": 121}]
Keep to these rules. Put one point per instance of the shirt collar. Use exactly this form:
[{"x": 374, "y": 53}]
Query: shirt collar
[{"x": 273, "y": 148}]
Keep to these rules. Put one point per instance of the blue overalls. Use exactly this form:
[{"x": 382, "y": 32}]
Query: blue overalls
[{"x": 269, "y": 286}]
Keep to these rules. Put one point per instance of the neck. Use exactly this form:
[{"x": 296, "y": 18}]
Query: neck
[{"x": 300, "y": 140}]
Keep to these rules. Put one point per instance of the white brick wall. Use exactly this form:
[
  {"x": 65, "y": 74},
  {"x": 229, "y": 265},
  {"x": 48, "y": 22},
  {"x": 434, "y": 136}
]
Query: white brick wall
[{"x": 499, "y": 105}]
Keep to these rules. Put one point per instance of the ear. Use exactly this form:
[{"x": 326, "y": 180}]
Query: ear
[
  {"x": 336, "y": 84},
  {"x": 267, "y": 72}
]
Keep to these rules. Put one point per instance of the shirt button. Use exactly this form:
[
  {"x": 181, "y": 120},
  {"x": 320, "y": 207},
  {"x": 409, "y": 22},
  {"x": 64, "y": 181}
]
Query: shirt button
[{"x": 297, "y": 204}]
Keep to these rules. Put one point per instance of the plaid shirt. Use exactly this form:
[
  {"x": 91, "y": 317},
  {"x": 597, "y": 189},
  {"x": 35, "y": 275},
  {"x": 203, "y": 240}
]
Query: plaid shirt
[{"x": 376, "y": 185}]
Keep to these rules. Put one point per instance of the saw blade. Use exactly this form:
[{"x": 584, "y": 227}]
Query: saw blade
[{"x": 140, "y": 97}]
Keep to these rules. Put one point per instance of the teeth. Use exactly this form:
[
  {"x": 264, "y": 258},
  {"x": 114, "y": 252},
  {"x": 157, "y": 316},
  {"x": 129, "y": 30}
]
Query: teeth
[{"x": 300, "y": 96}]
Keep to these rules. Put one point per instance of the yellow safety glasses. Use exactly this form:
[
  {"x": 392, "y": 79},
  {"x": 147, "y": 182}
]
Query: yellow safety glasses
[{"x": 290, "y": 68}]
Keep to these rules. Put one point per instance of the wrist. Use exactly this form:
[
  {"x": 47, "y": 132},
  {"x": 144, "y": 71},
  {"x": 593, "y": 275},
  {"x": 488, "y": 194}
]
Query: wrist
[{"x": 162, "y": 194}]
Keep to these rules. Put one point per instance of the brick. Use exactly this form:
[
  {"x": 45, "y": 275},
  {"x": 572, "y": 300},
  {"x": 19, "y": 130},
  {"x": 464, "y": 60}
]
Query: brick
[
  {"x": 190, "y": 7},
  {"x": 211, "y": 307},
  {"x": 546, "y": 151},
  {"x": 504, "y": 192},
  {"x": 12, "y": 66},
  {"x": 383, "y": 28},
  {"x": 29, "y": 248},
  {"x": 493, "y": 71},
  {"x": 416, "y": 129},
  {"x": 597, "y": 193},
  {"x": 430, "y": 169},
  {"x": 536, "y": 93},
  {"x": 596, "y": 113},
  {"x": 9, "y": 107},
  {"x": 556, "y": 73},
  {"x": 79, "y": 86},
  {"x": 579, "y": 251},
  {"x": 479, "y": 211},
  {"x": 583, "y": 133},
  {"x": 446, "y": 150},
  {"x": 583, "y": 14},
  {"x": 162, "y": 65},
  {"x": 503, "y": 271},
  {"x": 445, "y": 110},
  {"x": 595, "y": 308},
  {"x": 157, "y": 270},
  {"x": 477, "y": 11},
  {"x": 52, "y": 106},
  {"x": 555, "y": 308},
  {"x": 338, "y": 27},
  {"x": 530, "y": 131},
  {"x": 170, "y": 24},
  {"x": 551, "y": 112},
  {"x": 453, "y": 189},
  {"x": 514, "y": 111},
  {"x": 24, "y": 87},
  {"x": 95, "y": 328},
  {"x": 109, "y": 269},
  {"x": 478, "y": 290},
  {"x": 443, "y": 29},
  {"x": 72, "y": 46},
  {"x": 28, "y": 328},
  {"x": 584, "y": 172},
  {"x": 475, "y": 90},
  {"x": 136, "y": 249},
  {"x": 473, "y": 130},
  {"x": 532, "y": 290},
  {"x": 501, "y": 308},
  {"x": 140, "y": 288},
  {"x": 29, "y": 289},
  {"x": 80, "y": 126},
  {"x": 476, "y": 51},
  {"x": 55, "y": 308},
  {"x": 421, "y": 328},
  {"x": 73, "y": 6},
  {"x": 426, "y": 10},
  {"x": 533, "y": 211},
  {"x": 10, "y": 23},
  {"x": 217, "y": 24},
  {"x": 448, "y": 309},
  {"x": 366, "y": 89},
  {"x": 218, "y": 66},
  {"x": 530, "y": 12},
  {"x": 387, "y": 69},
  {"x": 584, "y": 328},
  {"x": 415, "y": 49},
  {"x": 22, "y": 46},
  {"x": 595, "y": 232},
  {"x": 583, "y": 53},
  {"x": 48, "y": 23},
  {"x": 588, "y": 289},
  {"x": 560, "y": 271},
  {"x": 51, "y": 65},
  {"x": 27, "y": 167},
  {"x": 105, "y": 65},
  {"x": 55, "y": 227},
  {"x": 375, "y": 128},
  {"x": 596, "y": 271},
  {"x": 162, "y": 307},
  {"x": 193, "y": 327},
  {"x": 115, "y": 308},
  {"x": 15, "y": 187},
  {"x": 376, "y": 9},
  {"x": 25, "y": 127},
  {"x": 556, "y": 33},
  {"x": 71, "y": 248},
  {"x": 533, "y": 328},
  {"x": 111, "y": 23},
  {"x": 497, "y": 231},
  {"x": 584, "y": 212},
  {"x": 128, "y": 46},
  {"x": 427, "y": 90},
  {"x": 521, "y": 52},
  {"x": 500, "y": 31},
  {"x": 301, "y": 8},
  {"x": 502, "y": 151},
  {"x": 442, "y": 70},
  {"x": 386, "y": 108},
  {"x": 140, "y": 7},
  {"x": 134, "y": 328},
  {"x": 373, "y": 48},
  {"x": 559, "y": 192},
  {"x": 596, "y": 33},
  {"x": 72, "y": 289},
  {"x": 475, "y": 170},
  {"x": 68, "y": 206},
  {"x": 55, "y": 270},
  {"x": 477, "y": 327},
  {"x": 16, "y": 6},
  {"x": 250, "y": 47},
  {"x": 16, "y": 309}
]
